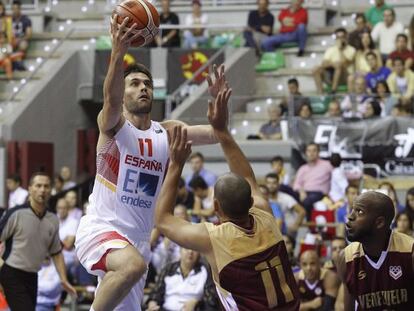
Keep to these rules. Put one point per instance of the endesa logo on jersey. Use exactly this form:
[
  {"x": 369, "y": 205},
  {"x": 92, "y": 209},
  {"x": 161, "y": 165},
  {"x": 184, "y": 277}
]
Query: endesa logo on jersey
[{"x": 138, "y": 186}]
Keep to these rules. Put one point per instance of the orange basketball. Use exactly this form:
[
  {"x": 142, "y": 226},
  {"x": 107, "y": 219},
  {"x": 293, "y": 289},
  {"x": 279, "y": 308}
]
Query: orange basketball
[{"x": 144, "y": 14}]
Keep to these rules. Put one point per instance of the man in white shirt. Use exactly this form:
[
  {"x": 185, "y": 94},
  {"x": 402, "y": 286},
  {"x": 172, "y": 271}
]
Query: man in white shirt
[
  {"x": 17, "y": 195},
  {"x": 293, "y": 211},
  {"x": 199, "y": 35},
  {"x": 67, "y": 232},
  {"x": 386, "y": 32},
  {"x": 74, "y": 212},
  {"x": 66, "y": 174},
  {"x": 337, "y": 60}
]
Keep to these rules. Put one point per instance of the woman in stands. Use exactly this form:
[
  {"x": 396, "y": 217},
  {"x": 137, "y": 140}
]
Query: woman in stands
[
  {"x": 383, "y": 96},
  {"x": 404, "y": 224},
  {"x": 409, "y": 203},
  {"x": 365, "y": 45}
]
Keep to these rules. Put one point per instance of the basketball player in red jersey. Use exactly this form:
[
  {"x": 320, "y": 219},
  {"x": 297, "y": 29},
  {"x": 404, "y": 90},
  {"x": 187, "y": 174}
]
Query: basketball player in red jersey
[
  {"x": 318, "y": 286},
  {"x": 113, "y": 239},
  {"x": 377, "y": 268},
  {"x": 246, "y": 251}
]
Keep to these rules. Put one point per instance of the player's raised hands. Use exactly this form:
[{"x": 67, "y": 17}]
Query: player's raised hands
[
  {"x": 180, "y": 148},
  {"x": 121, "y": 35},
  {"x": 219, "y": 83},
  {"x": 218, "y": 110}
]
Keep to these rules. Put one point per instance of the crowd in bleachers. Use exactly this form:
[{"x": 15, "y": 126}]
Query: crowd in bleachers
[
  {"x": 15, "y": 34},
  {"x": 310, "y": 207}
]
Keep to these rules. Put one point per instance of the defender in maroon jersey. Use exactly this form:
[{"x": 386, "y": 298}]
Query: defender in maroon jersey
[
  {"x": 246, "y": 251},
  {"x": 377, "y": 268}
]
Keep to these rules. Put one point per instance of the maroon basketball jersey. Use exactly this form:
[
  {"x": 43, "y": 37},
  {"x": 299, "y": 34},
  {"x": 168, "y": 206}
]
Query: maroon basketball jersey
[
  {"x": 253, "y": 269},
  {"x": 309, "y": 291},
  {"x": 387, "y": 284}
]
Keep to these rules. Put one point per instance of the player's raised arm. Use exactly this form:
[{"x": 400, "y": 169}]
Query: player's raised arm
[
  {"x": 182, "y": 232},
  {"x": 114, "y": 84},
  {"x": 218, "y": 116},
  {"x": 204, "y": 134}
]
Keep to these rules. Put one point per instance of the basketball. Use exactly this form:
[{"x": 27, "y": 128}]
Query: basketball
[{"x": 144, "y": 14}]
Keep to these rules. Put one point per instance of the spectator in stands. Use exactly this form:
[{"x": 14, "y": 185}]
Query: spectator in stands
[
  {"x": 409, "y": 203},
  {"x": 67, "y": 232},
  {"x": 313, "y": 179},
  {"x": 72, "y": 198},
  {"x": 386, "y": 32},
  {"x": 375, "y": 14},
  {"x": 276, "y": 209},
  {"x": 401, "y": 80},
  {"x": 206, "y": 195},
  {"x": 6, "y": 51},
  {"x": 292, "y": 210},
  {"x": 305, "y": 111},
  {"x": 337, "y": 245},
  {"x": 6, "y": 24},
  {"x": 400, "y": 110},
  {"x": 22, "y": 31},
  {"x": 66, "y": 174},
  {"x": 411, "y": 32},
  {"x": 271, "y": 129},
  {"x": 353, "y": 105},
  {"x": 317, "y": 286},
  {"x": 404, "y": 223},
  {"x": 290, "y": 244},
  {"x": 334, "y": 109},
  {"x": 366, "y": 45},
  {"x": 351, "y": 193},
  {"x": 295, "y": 97},
  {"x": 259, "y": 25},
  {"x": 361, "y": 27},
  {"x": 293, "y": 20},
  {"x": 383, "y": 96},
  {"x": 402, "y": 52},
  {"x": 49, "y": 289},
  {"x": 169, "y": 37},
  {"x": 166, "y": 251},
  {"x": 372, "y": 110},
  {"x": 181, "y": 285},
  {"x": 278, "y": 167},
  {"x": 377, "y": 73},
  {"x": 339, "y": 182},
  {"x": 58, "y": 184},
  {"x": 198, "y": 34},
  {"x": 186, "y": 197},
  {"x": 17, "y": 194},
  {"x": 338, "y": 60},
  {"x": 389, "y": 188},
  {"x": 197, "y": 168}
]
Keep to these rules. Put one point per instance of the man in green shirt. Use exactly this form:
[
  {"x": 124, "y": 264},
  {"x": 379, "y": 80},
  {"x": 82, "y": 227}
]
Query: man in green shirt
[{"x": 375, "y": 14}]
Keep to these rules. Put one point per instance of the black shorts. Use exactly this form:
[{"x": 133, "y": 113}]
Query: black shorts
[{"x": 20, "y": 288}]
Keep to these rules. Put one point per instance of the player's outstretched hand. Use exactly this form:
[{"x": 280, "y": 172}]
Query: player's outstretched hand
[
  {"x": 218, "y": 111},
  {"x": 180, "y": 148},
  {"x": 219, "y": 83},
  {"x": 121, "y": 35}
]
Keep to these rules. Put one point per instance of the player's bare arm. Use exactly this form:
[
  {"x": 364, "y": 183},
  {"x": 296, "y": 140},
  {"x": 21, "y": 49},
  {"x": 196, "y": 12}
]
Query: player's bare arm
[
  {"x": 182, "y": 232},
  {"x": 349, "y": 304},
  {"x": 110, "y": 117},
  {"x": 331, "y": 286},
  {"x": 203, "y": 134},
  {"x": 218, "y": 116}
]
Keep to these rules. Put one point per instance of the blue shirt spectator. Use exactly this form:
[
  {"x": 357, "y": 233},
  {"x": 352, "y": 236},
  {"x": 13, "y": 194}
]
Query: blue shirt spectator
[
  {"x": 372, "y": 78},
  {"x": 49, "y": 288},
  {"x": 197, "y": 166}
]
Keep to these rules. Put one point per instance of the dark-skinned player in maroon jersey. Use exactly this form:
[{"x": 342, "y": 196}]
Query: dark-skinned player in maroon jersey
[
  {"x": 377, "y": 268},
  {"x": 246, "y": 251}
]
